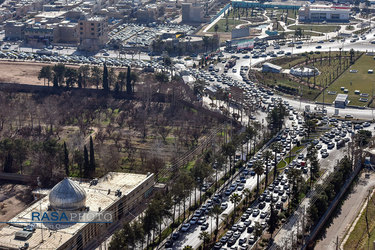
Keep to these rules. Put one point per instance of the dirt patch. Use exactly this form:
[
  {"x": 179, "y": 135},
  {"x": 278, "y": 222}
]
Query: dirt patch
[
  {"x": 13, "y": 199},
  {"x": 21, "y": 72}
]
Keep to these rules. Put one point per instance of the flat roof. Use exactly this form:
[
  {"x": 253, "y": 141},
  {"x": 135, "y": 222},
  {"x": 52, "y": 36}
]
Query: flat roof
[
  {"x": 272, "y": 66},
  {"x": 96, "y": 197},
  {"x": 341, "y": 98}
]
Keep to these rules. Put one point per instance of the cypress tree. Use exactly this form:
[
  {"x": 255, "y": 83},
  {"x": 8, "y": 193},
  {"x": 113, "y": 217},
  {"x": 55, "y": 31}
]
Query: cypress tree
[
  {"x": 55, "y": 81},
  {"x": 105, "y": 78},
  {"x": 66, "y": 160},
  {"x": 79, "y": 81},
  {"x": 8, "y": 163},
  {"x": 92, "y": 156},
  {"x": 86, "y": 164},
  {"x": 128, "y": 82}
]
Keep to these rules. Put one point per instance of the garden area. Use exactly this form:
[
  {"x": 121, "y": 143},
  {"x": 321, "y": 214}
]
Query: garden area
[
  {"x": 355, "y": 78},
  {"x": 317, "y": 28},
  {"x": 283, "y": 83},
  {"x": 330, "y": 66},
  {"x": 226, "y": 25}
]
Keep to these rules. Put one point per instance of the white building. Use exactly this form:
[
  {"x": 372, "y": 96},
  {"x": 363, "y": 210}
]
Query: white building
[{"x": 319, "y": 13}]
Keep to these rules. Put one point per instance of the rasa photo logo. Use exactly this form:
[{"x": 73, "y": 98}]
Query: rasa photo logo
[{"x": 71, "y": 217}]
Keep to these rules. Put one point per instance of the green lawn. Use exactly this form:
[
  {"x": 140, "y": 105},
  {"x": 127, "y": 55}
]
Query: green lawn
[
  {"x": 275, "y": 79},
  {"x": 304, "y": 33},
  {"x": 358, "y": 238},
  {"x": 360, "y": 81},
  {"x": 318, "y": 28},
  {"x": 222, "y": 25}
]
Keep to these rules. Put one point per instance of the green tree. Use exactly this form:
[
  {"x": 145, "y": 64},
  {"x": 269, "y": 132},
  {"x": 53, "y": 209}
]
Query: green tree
[
  {"x": 312, "y": 157},
  {"x": 229, "y": 150},
  {"x": 59, "y": 71},
  {"x": 258, "y": 169},
  {"x": 276, "y": 147},
  {"x": 205, "y": 236},
  {"x": 161, "y": 77},
  {"x": 267, "y": 155},
  {"x": 273, "y": 220},
  {"x": 45, "y": 73},
  {"x": 216, "y": 28},
  {"x": 8, "y": 163},
  {"x": 121, "y": 80},
  {"x": 96, "y": 76},
  {"x": 66, "y": 160},
  {"x": 86, "y": 162},
  {"x": 105, "y": 78},
  {"x": 216, "y": 211},
  {"x": 92, "y": 157},
  {"x": 235, "y": 199},
  {"x": 129, "y": 89},
  {"x": 55, "y": 81},
  {"x": 84, "y": 72},
  {"x": 248, "y": 195},
  {"x": 71, "y": 77}
]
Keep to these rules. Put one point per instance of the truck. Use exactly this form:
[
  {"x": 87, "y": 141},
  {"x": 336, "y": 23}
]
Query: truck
[{"x": 231, "y": 63}]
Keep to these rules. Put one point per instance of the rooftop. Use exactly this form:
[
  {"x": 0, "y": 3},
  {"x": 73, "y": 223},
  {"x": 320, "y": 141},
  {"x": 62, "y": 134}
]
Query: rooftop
[
  {"x": 341, "y": 98},
  {"x": 97, "y": 197}
]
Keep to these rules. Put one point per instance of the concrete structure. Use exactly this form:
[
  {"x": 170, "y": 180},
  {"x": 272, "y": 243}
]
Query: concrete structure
[
  {"x": 192, "y": 12},
  {"x": 38, "y": 35},
  {"x": 240, "y": 32},
  {"x": 118, "y": 193},
  {"x": 14, "y": 30},
  {"x": 92, "y": 33},
  {"x": 65, "y": 32},
  {"x": 341, "y": 101},
  {"x": 269, "y": 67},
  {"x": 320, "y": 13}
]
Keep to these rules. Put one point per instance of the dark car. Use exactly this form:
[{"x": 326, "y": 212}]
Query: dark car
[
  {"x": 250, "y": 229},
  {"x": 169, "y": 243},
  {"x": 204, "y": 226},
  {"x": 175, "y": 236}
]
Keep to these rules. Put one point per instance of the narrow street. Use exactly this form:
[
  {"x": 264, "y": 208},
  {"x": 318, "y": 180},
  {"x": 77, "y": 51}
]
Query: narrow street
[{"x": 349, "y": 211}]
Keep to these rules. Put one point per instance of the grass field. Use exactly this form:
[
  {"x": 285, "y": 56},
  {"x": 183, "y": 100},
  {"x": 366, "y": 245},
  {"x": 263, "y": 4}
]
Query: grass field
[
  {"x": 318, "y": 28},
  {"x": 354, "y": 81},
  {"x": 358, "y": 238},
  {"x": 222, "y": 25},
  {"x": 275, "y": 79},
  {"x": 305, "y": 33}
]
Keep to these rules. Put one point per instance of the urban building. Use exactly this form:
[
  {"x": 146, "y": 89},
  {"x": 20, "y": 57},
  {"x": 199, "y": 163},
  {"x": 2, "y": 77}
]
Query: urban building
[
  {"x": 118, "y": 193},
  {"x": 192, "y": 12},
  {"x": 14, "y": 30},
  {"x": 240, "y": 32},
  {"x": 341, "y": 101},
  {"x": 38, "y": 35},
  {"x": 65, "y": 32},
  {"x": 92, "y": 33},
  {"x": 321, "y": 13}
]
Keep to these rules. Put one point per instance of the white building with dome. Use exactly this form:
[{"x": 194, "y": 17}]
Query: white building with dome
[
  {"x": 119, "y": 193},
  {"x": 304, "y": 71}
]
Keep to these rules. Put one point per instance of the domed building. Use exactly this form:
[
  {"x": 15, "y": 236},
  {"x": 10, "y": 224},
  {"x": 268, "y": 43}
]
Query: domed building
[
  {"x": 304, "y": 71},
  {"x": 67, "y": 195},
  {"x": 116, "y": 194}
]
